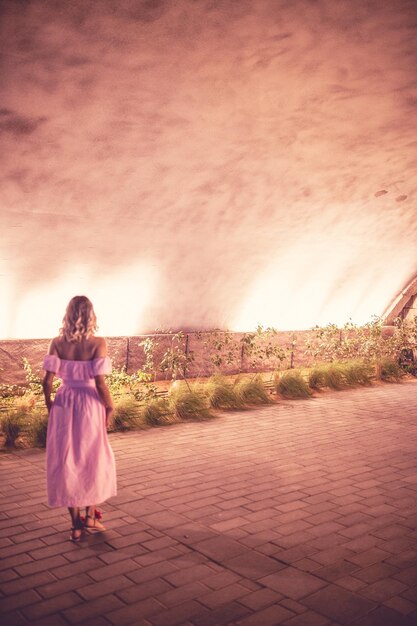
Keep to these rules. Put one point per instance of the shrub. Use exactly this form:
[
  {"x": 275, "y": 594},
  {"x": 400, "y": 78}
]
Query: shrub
[
  {"x": 291, "y": 384},
  {"x": 119, "y": 380},
  {"x": 358, "y": 373},
  {"x": 389, "y": 370},
  {"x": 221, "y": 395},
  {"x": 334, "y": 376},
  {"x": 157, "y": 412},
  {"x": 9, "y": 392},
  {"x": 13, "y": 424},
  {"x": 189, "y": 405},
  {"x": 126, "y": 415},
  {"x": 339, "y": 375},
  {"x": 316, "y": 378},
  {"x": 252, "y": 391},
  {"x": 39, "y": 429}
]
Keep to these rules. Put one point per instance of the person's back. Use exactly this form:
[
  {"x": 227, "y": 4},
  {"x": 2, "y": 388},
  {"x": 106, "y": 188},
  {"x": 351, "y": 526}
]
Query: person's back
[{"x": 86, "y": 349}]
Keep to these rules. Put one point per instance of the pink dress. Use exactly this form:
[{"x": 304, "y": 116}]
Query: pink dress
[{"x": 80, "y": 463}]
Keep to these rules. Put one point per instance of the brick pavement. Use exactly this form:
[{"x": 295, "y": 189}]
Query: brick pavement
[{"x": 301, "y": 514}]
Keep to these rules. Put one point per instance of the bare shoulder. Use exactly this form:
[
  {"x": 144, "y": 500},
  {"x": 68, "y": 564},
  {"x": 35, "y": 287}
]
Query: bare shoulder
[
  {"x": 53, "y": 349},
  {"x": 100, "y": 347}
]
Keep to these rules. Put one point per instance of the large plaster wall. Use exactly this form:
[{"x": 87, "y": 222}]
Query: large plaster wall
[{"x": 209, "y": 164}]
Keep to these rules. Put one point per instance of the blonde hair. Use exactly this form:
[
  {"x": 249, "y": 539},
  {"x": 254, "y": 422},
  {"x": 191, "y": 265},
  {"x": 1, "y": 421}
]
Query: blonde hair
[{"x": 79, "y": 320}]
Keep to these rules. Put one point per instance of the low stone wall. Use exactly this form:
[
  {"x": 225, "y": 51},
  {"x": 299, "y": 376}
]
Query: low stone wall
[{"x": 127, "y": 351}]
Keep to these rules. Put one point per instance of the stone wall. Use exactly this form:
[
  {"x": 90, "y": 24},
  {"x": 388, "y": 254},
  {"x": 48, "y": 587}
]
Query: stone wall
[{"x": 127, "y": 351}]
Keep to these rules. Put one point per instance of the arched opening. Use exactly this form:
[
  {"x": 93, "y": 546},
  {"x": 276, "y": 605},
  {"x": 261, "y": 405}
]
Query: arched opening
[{"x": 404, "y": 305}]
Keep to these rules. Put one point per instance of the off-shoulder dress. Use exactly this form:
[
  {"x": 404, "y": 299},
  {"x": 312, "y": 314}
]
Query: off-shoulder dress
[{"x": 80, "y": 463}]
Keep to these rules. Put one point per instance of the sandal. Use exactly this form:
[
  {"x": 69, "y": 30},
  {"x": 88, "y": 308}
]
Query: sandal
[
  {"x": 97, "y": 526},
  {"x": 76, "y": 532}
]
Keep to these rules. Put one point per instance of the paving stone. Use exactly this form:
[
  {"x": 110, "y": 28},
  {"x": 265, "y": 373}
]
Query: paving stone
[
  {"x": 331, "y": 555},
  {"x": 13, "y": 618},
  {"x": 70, "y": 569},
  {"x": 260, "y": 599},
  {"x": 292, "y": 555},
  {"x": 220, "y": 548},
  {"x": 51, "y": 620},
  {"x": 53, "y": 605},
  {"x": 18, "y": 600},
  {"x": 164, "y": 519},
  {"x": 351, "y": 583},
  {"x": 179, "y": 595},
  {"x": 292, "y": 582},
  {"x": 190, "y": 533},
  {"x": 189, "y": 574},
  {"x": 270, "y": 616},
  {"x": 27, "y": 582},
  {"x": 309, "y": 618},
  {"x": 151, "y": 588},
  {"x": 140, "y": 575},
  {"x": 86, "y": 610},
  {"x": 384, "y": 616},
  {"x": 227, "y": 614},
  {"x": 401, "y": 605},
  {"x": 51, "y": 550},
  {"x": 383, "y": 589},
  {"x": 19, "y": 548},
  {"x": 369, "y": 557},
  {"x": 42, "y": 565},
  {"x": 12, "y": 561},
  {"x": 57, "y": 587},
  {"x": 338, "y": 604},
  {"x": 104, "y": 587},
  {"x": 222, "y": 579},
  {"x": 253, "y": 565},
  {"x": 137, "y": 509},
  {"x": 216, "y": 598},
  {"x": 114, "y": 569},
  {"x": 407, "y": 575},
  {"x": 336, "y": 570},
  {"x": 7, "y": 575},
  {"x": 403, "y": 559},
  {"x": 376, "y": 572},
  {"x": 156, "y": 613}
]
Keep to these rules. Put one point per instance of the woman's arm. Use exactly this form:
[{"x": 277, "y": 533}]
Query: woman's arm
[
  {"x": 47, "y": 388},
  {"x": 102, "y": 389},
  {"x": 48, "y": 379},
  {"x": 103, "y": 392}
]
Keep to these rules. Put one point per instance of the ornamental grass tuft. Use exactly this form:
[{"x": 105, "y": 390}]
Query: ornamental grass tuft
[
  {"x": 189, "y": 405},
  {"x": 39, "y": 429},
  {"x": 334, "y": 376},
  {"x": 127, "y": 415},
  {"x": 12, "y": 426},
  {"x": 291, "y": 384},
  {"x": 252, "y": 391},
  {"x": 316, "y": 378},
  {"x": 221, "y": 394},
  {"x": 358, "y": 373},
  {"x": 17, "y": 421},
  {"x": 157, "y": 412}
]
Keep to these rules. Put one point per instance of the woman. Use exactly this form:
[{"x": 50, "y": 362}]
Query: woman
[{"x": 79, "y": 460}]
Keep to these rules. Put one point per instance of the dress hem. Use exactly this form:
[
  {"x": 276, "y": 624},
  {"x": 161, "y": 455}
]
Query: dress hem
[{"x": 61, "y": 503}]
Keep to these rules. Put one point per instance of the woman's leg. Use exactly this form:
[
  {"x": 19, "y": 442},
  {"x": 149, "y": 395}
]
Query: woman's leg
[
  {"x": 90, "y": 511},
  {"x": 77, "y": 526},
  {"x": 90, "y": 518}
]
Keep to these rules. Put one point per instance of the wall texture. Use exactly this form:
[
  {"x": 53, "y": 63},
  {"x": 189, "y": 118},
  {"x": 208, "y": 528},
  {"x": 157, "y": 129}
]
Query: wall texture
[{"x": 210, "y": 163}]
